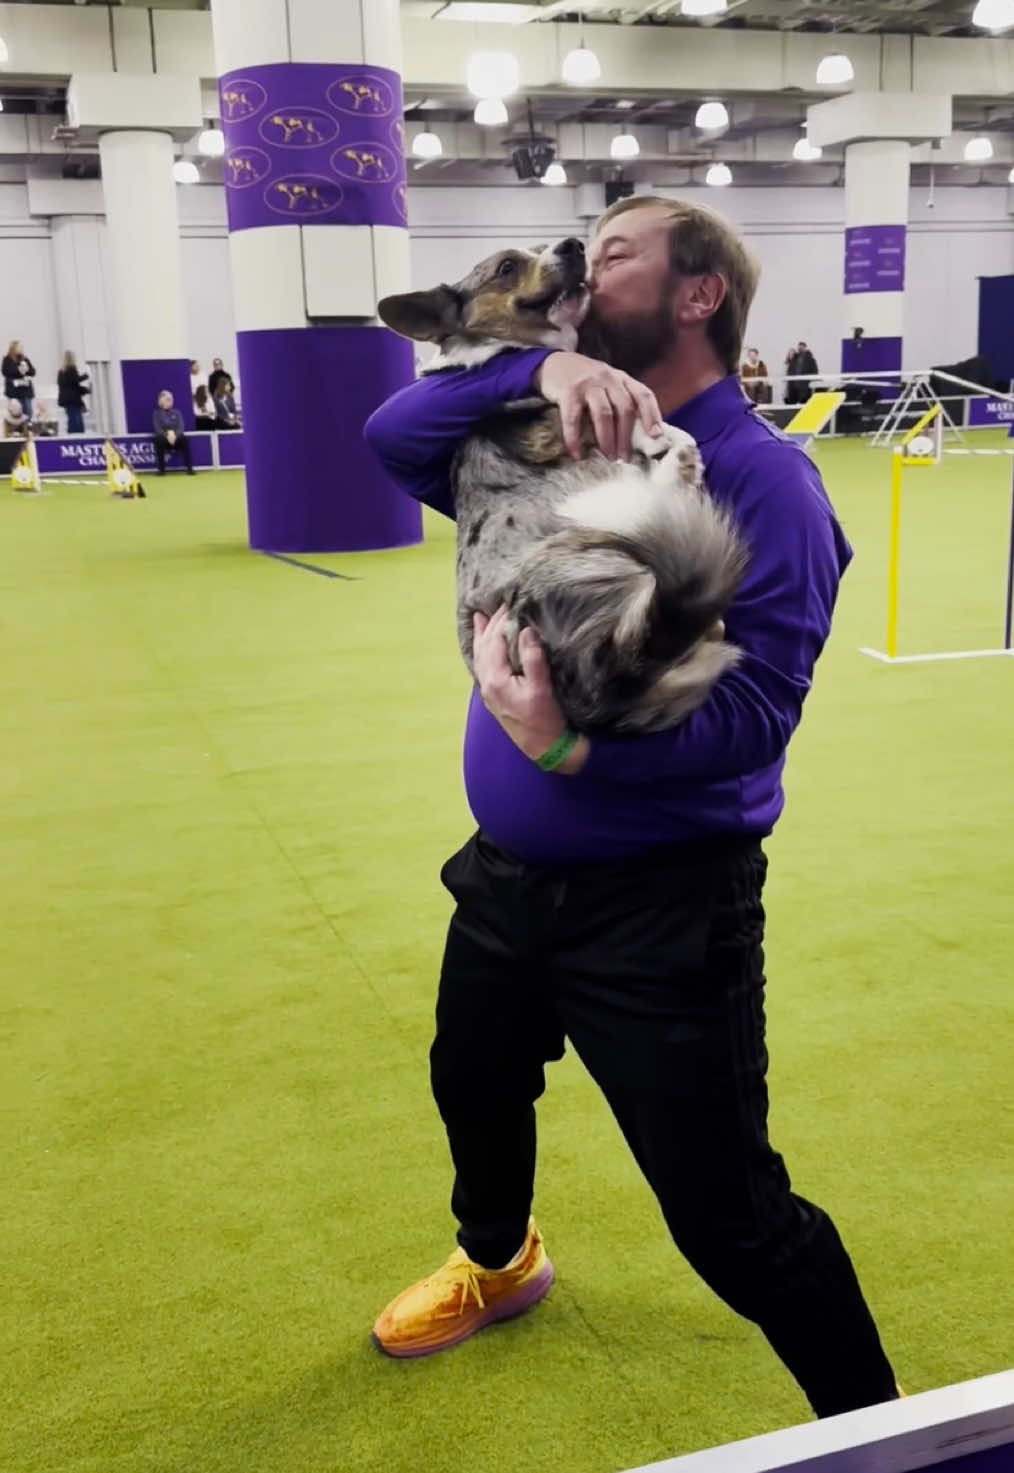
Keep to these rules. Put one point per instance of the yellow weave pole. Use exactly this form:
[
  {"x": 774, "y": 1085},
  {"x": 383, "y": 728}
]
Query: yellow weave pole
[{"x": 898, "y": 460}]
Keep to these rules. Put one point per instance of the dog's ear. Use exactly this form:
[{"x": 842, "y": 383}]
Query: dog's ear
[{"x": 428, "y": 317}]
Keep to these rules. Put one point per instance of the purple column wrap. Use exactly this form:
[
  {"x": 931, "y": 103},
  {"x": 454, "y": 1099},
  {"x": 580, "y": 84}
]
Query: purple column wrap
[
  {"x": 143, "y": 381},
  {"x": 312, "y": 483},
  {"x": 874, "y": 258},
  {"x": 310, "y": 144}
]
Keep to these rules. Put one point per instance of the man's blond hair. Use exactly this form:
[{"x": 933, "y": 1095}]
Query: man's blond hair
[{"x": 703, "y": 244}]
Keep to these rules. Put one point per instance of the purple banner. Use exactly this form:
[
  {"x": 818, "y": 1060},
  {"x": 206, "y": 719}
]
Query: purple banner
[
  {"x": 987, "y": 411},
  {"x": 310, "y": 144},
  {"x": 870, "y": 355},
  {"x": 230, "y": 448},
  {"x": 874, "y": 258},
  {"x": 86, "y": 455},
  {"x": 312, "y": 482},
  {"x": 143, "y": 381}
]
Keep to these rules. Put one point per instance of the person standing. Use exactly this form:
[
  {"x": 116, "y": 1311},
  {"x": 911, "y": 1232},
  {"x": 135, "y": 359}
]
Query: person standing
[
  {"x": 19, "y": 376},
  {"x": 169, "y": 433},
  {"x": 72, "y": 386},
  {"x": 215, "y": 377},
  {"x": 612, "y": 894},
  {"x": 799, "y": 360}
]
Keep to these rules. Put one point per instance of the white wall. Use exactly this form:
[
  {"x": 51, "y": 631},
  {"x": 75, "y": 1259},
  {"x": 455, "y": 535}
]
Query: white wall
[{"x": 796, "y": 233}]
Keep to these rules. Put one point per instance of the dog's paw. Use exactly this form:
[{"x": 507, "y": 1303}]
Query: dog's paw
[{"x": 672, "y": 455}]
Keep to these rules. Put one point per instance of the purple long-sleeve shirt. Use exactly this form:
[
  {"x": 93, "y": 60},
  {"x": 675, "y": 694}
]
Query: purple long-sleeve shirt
[{"x": 720, "y": 771}]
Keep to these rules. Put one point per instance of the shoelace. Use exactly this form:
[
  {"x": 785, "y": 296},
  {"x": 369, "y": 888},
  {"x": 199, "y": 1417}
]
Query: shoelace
[{"x": 469, "y": 1286}]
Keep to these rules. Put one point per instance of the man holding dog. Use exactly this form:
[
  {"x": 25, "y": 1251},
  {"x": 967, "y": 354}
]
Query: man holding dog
[{"x": 616, "y": 901}]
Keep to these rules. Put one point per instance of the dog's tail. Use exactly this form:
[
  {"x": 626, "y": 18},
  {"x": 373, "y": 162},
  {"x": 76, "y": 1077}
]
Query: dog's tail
[
  {"x": 688, "y": 557},
  {"x": 629, "y": 597}
]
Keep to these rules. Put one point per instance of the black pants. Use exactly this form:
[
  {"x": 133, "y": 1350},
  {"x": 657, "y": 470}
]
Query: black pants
[
  {"x": 163, "y": 448},
  {"x": 654, "y": 970}
]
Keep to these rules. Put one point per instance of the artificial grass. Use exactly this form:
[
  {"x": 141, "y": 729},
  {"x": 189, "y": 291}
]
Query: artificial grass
[{"x": 227, "y": 787}]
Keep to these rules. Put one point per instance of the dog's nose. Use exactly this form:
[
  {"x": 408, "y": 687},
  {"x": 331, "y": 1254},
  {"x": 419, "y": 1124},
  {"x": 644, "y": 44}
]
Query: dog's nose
[{"x": 570, "y": 248}]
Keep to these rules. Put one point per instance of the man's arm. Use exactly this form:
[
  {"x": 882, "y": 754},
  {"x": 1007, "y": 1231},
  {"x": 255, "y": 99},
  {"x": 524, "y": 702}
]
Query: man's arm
[
  {"x": 781, "y": 619},
  {"x": 416, "y": 432}
]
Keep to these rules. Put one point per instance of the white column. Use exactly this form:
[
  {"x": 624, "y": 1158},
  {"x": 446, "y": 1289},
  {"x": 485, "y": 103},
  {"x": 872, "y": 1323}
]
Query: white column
[
  {"x": 144, "y": 243},
  {"x": 876, "y": 218}
]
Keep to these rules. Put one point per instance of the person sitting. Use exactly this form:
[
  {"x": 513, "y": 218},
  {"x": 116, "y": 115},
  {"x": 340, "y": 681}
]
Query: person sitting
[
  {"x": 754, "y": 374},
  {"x": 44, "y": 420},
  {"x": 16, "y": 421},
  {"x": 226, "y": 417},
  {"x": 204, "y": 409},
  {"x": 72, "y": 385},
  {"x": 169, "y": 436}
]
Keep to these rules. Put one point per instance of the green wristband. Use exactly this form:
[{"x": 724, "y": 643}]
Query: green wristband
[{"x": 558, "y": 752}]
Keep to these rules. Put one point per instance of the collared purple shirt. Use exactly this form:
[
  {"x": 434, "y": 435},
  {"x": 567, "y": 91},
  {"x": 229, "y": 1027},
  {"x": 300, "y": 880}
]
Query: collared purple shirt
[{"x": 720, "y": 771}]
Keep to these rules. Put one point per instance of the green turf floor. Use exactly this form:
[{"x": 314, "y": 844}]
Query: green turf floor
[{"x": 227, "y": 785}]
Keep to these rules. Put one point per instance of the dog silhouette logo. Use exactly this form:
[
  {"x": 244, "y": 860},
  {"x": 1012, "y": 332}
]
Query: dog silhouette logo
[
  {"x": 242, "y": 98},
  {"x": 298, "y": 127},
  {"x": 398, "y": 135},
  {"x": 398, "y": 194},
  {"x": 303, "y": 196},
  {"x": 366, "y": 163},
  {"x": 246, "y": 166},
  {"x": 362, "y": 94}
]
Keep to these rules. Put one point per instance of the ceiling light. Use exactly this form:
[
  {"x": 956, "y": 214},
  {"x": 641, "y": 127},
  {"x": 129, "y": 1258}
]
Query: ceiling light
[
  {"x": 624, "y": 146},
  {"x": 712, "y": 115},
  {"x": 835, "y": 71},
  {"x": 994, "y": 15},
  {"x": 806, "y": 152},
  {"x": 493, "y": 74},
  {"x": 1010, "y": 177},
  {"x": 505, "y": 15},
  {"x": 426, "y": 145},
  {"x": 4, "y": 53},
  {"x": 1, "y": 104},
  {"x": 211, "y": 143},
  {"x": 185, "y": 172},
  {"x": 555, "y": 174},
  {"x": 626, "y": 102},
  {"x": 718, "y": 176},
  {"x": 704, "y": 7},
  {"x": 580, "y": 67},
  {"x": 978, "y": 150},
  {"x": 490, "y": 112}
]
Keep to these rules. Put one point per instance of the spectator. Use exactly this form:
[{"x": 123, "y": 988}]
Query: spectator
[
  {"x": 215, "y": 377},
  {"x": 44, "y": 420},
  {"x": 226, "y": 417},
  {"x": 204, "y": 409},
  {"x": 16, "y": 422},
  {"x": 195, "y": 377},
  {"x": 72, "y": 386},
  {"x": 19, "y": 371},
  {"x": 799, "y": 360},
  {"x": 754, "y": 374},
  {"x": 169, "y": 436}
]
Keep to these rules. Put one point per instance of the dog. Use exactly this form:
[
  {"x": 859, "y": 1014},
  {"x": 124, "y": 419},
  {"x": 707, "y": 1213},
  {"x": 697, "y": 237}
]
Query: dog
[{"x": 623, "y": 569}]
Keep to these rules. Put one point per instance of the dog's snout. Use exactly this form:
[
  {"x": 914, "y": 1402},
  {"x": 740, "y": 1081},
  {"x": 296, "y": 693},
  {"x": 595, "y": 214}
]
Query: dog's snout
[{"x": 570, "y": 248}]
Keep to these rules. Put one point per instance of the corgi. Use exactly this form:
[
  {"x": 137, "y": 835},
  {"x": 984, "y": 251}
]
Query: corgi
[{"x": 623, "y": 569}]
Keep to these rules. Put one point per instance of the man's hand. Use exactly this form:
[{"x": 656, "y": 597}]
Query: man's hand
[
  {"x": 613, "y": 400},
  {"x": 171, "y": 437},
  {"x": 524, "y": 704}
]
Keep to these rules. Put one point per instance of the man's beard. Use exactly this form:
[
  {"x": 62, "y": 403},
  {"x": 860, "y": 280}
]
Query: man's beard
[{"x": 634, "y": 343}]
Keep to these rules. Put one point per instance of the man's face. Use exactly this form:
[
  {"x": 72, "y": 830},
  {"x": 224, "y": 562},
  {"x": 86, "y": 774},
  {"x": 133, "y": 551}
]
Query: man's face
[
  {"x": 165, "y": 401},
  {"x": 752, "y": 355},
  {"x": 218, "y": 362},
  {"x": 632, "y": 288}
]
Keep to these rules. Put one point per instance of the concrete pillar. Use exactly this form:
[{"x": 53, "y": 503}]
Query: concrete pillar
[
  {"x": 147, "y": 280},
  {"x": 311, "y": 107},
  {"x": 876, "y": 218}
]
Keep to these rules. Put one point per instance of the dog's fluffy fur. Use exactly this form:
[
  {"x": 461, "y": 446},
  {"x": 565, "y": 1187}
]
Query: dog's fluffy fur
[{"x": 624, "y": 570}]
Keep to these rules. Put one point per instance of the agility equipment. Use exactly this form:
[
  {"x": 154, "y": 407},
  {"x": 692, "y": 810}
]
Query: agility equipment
[
  {"x": 120, "y": 475},
  {"x": 25, "y": 471},
  {"x": 811, "y": 417}
]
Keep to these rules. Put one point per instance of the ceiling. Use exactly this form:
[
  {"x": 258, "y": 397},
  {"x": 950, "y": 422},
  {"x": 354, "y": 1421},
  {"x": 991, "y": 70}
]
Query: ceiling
[{"x": 923, "y": 17}]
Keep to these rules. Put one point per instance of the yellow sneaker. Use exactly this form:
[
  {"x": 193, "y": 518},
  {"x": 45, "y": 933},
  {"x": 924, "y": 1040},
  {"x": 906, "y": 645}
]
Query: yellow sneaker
[{"x": 461, "y": 1298}]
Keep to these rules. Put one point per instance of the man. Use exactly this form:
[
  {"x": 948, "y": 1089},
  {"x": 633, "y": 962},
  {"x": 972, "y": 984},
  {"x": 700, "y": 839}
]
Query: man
[
  {"x": 167, "y": 423},
  {"x": 799, "y": 360},
  {"x": 754, "y": 376},
  {"x": 215, "y": 377},
  {"x": 616, "y": 901}
]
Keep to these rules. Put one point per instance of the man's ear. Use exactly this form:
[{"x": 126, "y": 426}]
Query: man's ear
[
  {"x": 428, "y": 317},
  {"x": 706, "y": 295}
]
